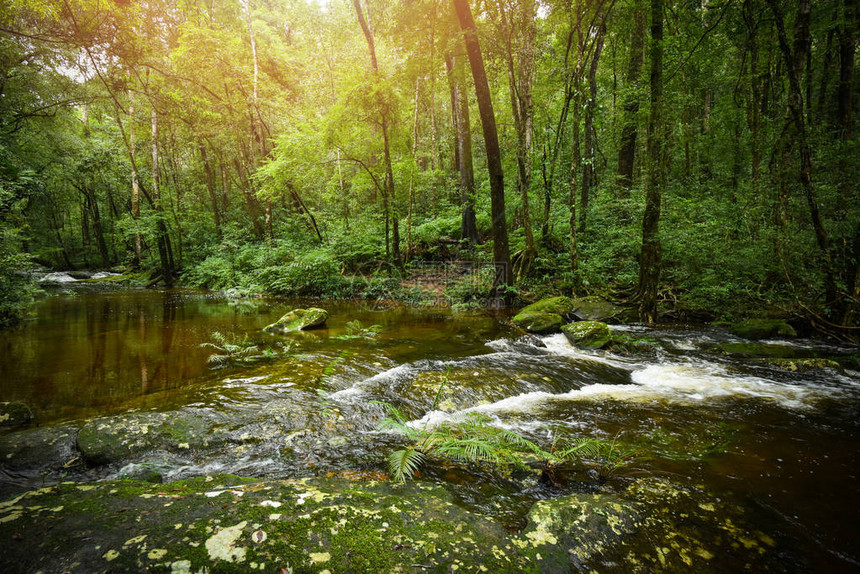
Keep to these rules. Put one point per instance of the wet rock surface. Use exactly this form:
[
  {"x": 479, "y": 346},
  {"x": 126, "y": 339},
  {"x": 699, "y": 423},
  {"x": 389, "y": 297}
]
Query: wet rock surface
[
  {"x": 224, "y": 523},
  {"x": 15, "y": 414},
  {"x": 299, "y": 320},
  {"x": 588, "y": 334}
]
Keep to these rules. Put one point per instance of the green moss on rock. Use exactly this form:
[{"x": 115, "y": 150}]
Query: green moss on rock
[
  {"x": 594, "y": 308},
  {"x": 762, "y": 329},
  {"x": 557, "y": 305},
  {"x": 538, "y": 322},
  {"x": 14, "y": 414},
  {"x": 300, "y": 319},
  {"x": 588, "y": 334},
  {"x": 803, "y": 365}
]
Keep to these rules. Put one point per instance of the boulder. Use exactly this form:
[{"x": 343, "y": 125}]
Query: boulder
[
  {"x": 299, "y": 319},
  {"x": 588, "y": 334},
  {"x": 762, "y": 329},
  {"x": 14, "y": 414},
  {"x": 538, "y": 322},
  {"x": 594, "y": 309},
  {"x": 558, "y": 305}
]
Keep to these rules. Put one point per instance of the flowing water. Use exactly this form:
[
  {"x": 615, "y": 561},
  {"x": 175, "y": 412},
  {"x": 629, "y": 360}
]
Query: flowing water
[{"x": 782, "y": 445}]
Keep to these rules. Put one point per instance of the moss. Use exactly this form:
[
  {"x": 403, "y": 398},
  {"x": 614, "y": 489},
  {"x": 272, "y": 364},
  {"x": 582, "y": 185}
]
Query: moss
[
  {"x": 538, "y": 321},
  {"x": 557, "y": 305},
  {"x": 627, "y": 345},
  {"x": 763, "y": 350},
  {"x": 594, "y": 308},
  {"x": 803, "y": 365},
  {"x": 14, "y": 414},
  {"x": 588, "y": 334},
  {"x": 300, "y": 320},
  {"x": 762, "y": 329}
]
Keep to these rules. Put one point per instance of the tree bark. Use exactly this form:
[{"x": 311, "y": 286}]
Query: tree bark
[
  {"x": 589, "y": 176},
  {"x": 463, "y": 129},
  {"x": 629, "y": 130},
  {"x": 795, "y": 57},
  {"x": 501, "y": 249},
  {"x": 650, "y": 258},
  {"x": 389, "y": 199}
]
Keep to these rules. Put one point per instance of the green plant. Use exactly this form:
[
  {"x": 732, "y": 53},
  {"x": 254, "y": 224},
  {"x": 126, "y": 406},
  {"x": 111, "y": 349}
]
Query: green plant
[
  {"x": 355, "y": 330},
  {"x": 230, "y": 351}
]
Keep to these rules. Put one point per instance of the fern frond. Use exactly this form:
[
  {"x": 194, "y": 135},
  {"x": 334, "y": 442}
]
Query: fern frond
[{"x": 403, "y": 463}]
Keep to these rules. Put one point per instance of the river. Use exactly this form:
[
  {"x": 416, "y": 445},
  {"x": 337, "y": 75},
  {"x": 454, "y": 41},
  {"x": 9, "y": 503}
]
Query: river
[{"x": 781, "y": 445}]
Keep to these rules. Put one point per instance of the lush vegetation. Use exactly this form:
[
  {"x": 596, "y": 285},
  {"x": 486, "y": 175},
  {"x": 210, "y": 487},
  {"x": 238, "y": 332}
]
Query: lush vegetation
[{"x": 675, "y": 155}]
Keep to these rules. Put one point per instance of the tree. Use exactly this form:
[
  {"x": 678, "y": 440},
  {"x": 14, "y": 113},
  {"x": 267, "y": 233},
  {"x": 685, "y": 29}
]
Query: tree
[
  {"x": 650, "y": 258},
  {"x": 501, "y": 250}
]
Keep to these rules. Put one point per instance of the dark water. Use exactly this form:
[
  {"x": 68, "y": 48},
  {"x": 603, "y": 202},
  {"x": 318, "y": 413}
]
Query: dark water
[{"x": 781, "y": 445}]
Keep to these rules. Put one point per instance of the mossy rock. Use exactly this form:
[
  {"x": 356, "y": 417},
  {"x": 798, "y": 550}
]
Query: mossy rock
[
  {"x": 627, "y": 345},
  {"x": 116, "y": 439},
  {"x": 756, "y": 350},
  {"x": 588, "y": 334},
  {"x": 300, "y": 319},
  {"x": 762, "y": 329},
  {"x": 558, "y": 305},
  {"x": 594, "y": 308},
  {"x": 538, "y": 321},
  {"x": 805, "y": 365},
  {"x": 14, "y": 414},
  {"x": 224, "y": 523}
]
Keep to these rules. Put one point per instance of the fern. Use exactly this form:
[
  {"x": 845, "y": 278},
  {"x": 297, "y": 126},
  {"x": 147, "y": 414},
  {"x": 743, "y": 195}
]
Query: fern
[{"x": 404, "y": 463}]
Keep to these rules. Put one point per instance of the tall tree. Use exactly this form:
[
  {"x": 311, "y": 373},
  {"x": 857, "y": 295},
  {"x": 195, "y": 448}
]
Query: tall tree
[
  {"x": 650, "y": 257},
  {"x": 501, "y": 249},
  {"x": 389, "y": 196}
]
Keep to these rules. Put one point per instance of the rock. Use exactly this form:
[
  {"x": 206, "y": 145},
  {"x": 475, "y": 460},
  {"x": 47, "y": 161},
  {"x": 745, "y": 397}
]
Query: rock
[
  {"x": 300, "y": 319},
  {"x": 627, "y": 345},
  {"x": 558, "y": 305},
  {"x": 538, "y": 321},
  {"x": 116, "y": 439},
  {"x": 594, "y": 309},
  {"x": 762, "y": 329},
  {"x": 753, "y": 350},
  {"x": 588, "y": 334},
  {"x": 804, "y": 365},
  {"x": 14, "y": 414},
  {"x": 225, "y": 523}
]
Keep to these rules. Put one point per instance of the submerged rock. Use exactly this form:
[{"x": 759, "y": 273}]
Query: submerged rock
[
  {"x": 299, "y": 319},
  {"x": 588, "y": 334},
  {"x": 114, "y": 439},
  {"x": 14, "y": 414},
  {"x": 226, "y": 523},
  {"x": 803, "y": 365},
  {"x": 538, "y": 322},
  {"x": 762, "y": 329}
]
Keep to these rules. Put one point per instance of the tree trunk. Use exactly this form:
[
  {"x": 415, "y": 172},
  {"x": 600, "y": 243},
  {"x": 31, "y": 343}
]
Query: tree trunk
[
  {"x": 501, "y": 249},
  {"x": 165, "y": 253},
  {"x": 135, "y": 189},
  {"x": 650, "y": 259},
  {"x": 463, "y": 128},
  {"x": 589, "y": 177},
  {"x": 795, "y": 57},
  {"x": 209, "y": 176},
  {"x": 520, "y": 80},
  {"x": 389, "y": 199},
  {"x": 629, "y": 130}
]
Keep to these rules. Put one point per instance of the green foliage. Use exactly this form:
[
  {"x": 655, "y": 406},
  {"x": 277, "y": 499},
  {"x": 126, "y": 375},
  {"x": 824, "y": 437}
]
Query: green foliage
[
  {"x": 229, "y": 351},
  {"x": 355, "y": 330},
  {"x": 474, "y": 439},
  {"x": 17, "y": 289}
]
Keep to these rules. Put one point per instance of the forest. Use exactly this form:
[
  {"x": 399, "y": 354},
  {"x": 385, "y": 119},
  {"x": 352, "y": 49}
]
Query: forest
[{"x": 691, "y": 159}]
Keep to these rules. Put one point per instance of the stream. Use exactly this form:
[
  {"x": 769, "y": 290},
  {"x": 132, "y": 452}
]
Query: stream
[{"x": 131, "y": 366}]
